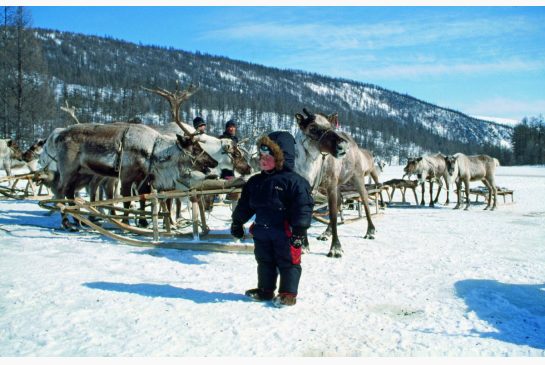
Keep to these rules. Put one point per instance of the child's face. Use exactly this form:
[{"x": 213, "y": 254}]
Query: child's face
[{"x": 266, "y": 162}]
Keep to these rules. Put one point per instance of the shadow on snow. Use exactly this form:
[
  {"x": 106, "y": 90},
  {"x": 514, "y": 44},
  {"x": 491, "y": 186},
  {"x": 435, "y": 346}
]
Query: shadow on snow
[
  {"x": 168, "y": 291},
  {"x": 516, "y": 311},
  {"x": 187, "y": 257}
]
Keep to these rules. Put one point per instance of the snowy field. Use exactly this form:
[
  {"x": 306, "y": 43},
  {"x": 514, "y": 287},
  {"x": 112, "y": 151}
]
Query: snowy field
[{"x": 435, "y": 282}]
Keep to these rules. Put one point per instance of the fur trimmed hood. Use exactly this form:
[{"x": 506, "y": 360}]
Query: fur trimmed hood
[{"x": 282, "y": 146}]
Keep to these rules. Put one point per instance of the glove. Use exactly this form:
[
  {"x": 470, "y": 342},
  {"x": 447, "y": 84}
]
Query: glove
[
  {"x": 237, "y": 230},
  {"x": 297, "y": 241}
]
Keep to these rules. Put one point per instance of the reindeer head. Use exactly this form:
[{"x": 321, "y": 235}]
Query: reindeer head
[
  {"x": 225, "y": 151},
  {"x": 319, "y": 128},
  {"x": 410, "y": 168},
  {"x": 34, "y": 151},
  {"x": 16, "y": 153},
  {"x": 452, "y": 166},
  {"x": 234, "y": 152},
  {"x": 202, "y": 161}
]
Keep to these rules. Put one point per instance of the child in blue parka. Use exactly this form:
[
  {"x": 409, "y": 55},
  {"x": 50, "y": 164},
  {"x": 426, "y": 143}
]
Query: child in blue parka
[{"x": 282, "y": 203}]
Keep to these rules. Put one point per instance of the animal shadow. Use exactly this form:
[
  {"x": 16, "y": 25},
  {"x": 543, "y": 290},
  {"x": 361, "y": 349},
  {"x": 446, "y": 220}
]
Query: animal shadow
[
  {"x": 168, "y": 291},
  {"x": 516, "y": 311}
]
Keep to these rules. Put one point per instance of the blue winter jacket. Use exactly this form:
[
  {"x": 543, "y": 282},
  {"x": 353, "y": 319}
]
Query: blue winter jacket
[{"x": 279, "y": 196}]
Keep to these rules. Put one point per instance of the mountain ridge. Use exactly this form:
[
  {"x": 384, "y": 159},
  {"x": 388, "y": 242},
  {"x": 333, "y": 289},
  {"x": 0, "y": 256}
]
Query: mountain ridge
[{"x": 103, "y": 76}]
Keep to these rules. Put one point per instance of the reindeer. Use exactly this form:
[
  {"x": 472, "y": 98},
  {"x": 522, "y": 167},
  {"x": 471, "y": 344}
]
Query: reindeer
[
  {"x": 329, "y": 159},
  {"x": 429, "y": 168},
  {"x": 131, "y": 152},
  {"x": 473, "y": 168},
  {"x": 9, "y": 152}
]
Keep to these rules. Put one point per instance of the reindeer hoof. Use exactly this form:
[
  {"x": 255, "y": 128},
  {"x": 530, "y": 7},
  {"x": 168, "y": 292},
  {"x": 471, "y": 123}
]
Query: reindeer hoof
[
  {"x": 335, "y": 254},
  {"x": 322, "y": 237}
]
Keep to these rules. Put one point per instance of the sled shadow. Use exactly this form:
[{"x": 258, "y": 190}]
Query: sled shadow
[
  {"x": 516, "y": 311},
  {"x": 39, "y": 219},
  {"x": 168, "y": 291},
  {"x": 185, "y": 257}
]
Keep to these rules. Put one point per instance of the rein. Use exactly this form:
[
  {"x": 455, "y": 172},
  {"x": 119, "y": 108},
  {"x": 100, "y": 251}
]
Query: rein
[
  {"x": 117, "y": 166},
  {"x": 318, "y": 179},
  {"x": 48, "y": 155}
]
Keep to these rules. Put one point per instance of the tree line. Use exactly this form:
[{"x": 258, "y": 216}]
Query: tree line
[{"x": 529, "y": 141}]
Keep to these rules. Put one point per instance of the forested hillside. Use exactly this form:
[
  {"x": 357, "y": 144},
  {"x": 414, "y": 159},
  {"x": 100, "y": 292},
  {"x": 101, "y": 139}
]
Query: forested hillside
[{"x": 103, "y": 78}]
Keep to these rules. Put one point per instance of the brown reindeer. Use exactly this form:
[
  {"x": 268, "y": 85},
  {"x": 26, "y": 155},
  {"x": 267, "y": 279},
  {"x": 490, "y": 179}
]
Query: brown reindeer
[
  {"x": 329, "y": 159},
  {"x": 474, "y": 168},
  {"x": 133, "y": 153}
]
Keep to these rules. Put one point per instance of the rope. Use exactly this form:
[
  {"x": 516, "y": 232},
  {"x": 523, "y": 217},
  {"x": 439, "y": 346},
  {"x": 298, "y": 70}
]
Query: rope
[{"x": 318, "y": 179}]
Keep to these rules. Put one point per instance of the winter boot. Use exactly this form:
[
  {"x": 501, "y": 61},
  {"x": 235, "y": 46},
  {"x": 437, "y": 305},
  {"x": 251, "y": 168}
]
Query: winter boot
[
  {"x": 284, "y": 299},
  {"x": 259, "y": 294}
]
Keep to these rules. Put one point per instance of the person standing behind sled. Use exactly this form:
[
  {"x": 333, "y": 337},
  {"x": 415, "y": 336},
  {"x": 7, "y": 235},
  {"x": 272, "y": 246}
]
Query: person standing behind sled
[
  {"x": 282, "y": 203},
  {"x": 200, "y": 125},
  {"x": 229, "y": 132}
]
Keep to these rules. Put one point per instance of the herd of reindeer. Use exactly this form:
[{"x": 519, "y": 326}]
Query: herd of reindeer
[{"x": 137, "y": 158}]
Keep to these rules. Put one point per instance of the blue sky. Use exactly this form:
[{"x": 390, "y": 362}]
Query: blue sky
[{"x": 487, "y": 61}]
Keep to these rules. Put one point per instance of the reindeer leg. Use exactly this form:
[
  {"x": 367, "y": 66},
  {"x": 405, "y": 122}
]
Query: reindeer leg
[
  {"x": 125, "y": 190},
  {"x": 458, "y": 193},
  {"x": 431, "y": 195},
  {"x": 328, "y": 231},
  {"x": 370, "y": 234},
  {"x": 335, "y": 250},
  {"x": 69, "y": 226},
  {"x": 448, "y": 189},
  {"x": 204, "y": 227},
  {"x": 492, "y": 183},
  {"x": 440, "y": 186},
  {"x": 423, "y": 202},
  {"x": 489, "y": 187},
  {"x": 466, "y": 187},
  {"x": 306, "y": 245}
]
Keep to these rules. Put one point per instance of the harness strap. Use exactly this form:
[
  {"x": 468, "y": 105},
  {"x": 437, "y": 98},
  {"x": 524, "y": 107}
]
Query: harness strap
[
  {"x": 48, "y": 155},
  {"x": 318, "y": 179},
  {"x": 117, "y": 166}
]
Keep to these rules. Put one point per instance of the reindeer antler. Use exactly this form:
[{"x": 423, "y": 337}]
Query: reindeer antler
[
  {"x": 70, "y": 110},
  {"x": 175, "y": 100}
]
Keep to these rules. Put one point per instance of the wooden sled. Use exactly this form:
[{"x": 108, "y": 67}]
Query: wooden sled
[
  {"x": 162, "y": 233},
  {"x": 30, "y": 191},
  {"x": 350, "y": 199}
]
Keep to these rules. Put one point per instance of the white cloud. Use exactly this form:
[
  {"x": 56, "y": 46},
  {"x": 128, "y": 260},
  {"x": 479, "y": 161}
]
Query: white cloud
[
  {"x": 425, "y": 69},
  {"x": 507, "y": 108},
  {"x": 369, "y": 36}
]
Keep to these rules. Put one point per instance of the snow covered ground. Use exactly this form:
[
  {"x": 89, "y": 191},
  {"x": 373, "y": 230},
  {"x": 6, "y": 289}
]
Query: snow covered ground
[{"x": 434, "y": 282}]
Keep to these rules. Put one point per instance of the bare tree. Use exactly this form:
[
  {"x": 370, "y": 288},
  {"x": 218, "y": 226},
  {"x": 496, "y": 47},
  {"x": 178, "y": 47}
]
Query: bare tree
[{"x": 27, "y": 99}]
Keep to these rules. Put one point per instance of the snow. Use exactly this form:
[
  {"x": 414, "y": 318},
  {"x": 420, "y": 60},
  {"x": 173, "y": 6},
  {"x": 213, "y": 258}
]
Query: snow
[
  {"x": 504, "y": 121},
  {"x": 434, "y": 282}
]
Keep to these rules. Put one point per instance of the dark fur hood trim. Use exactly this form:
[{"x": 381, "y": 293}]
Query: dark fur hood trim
[{"x": 276, "y": 151}]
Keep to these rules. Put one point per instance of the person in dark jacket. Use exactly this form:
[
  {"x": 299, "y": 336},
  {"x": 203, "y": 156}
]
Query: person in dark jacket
[
  {"x": 200, "y": 125},
  {"x": 229, "y": 132},
  {"x": 282, "y": 203}
]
